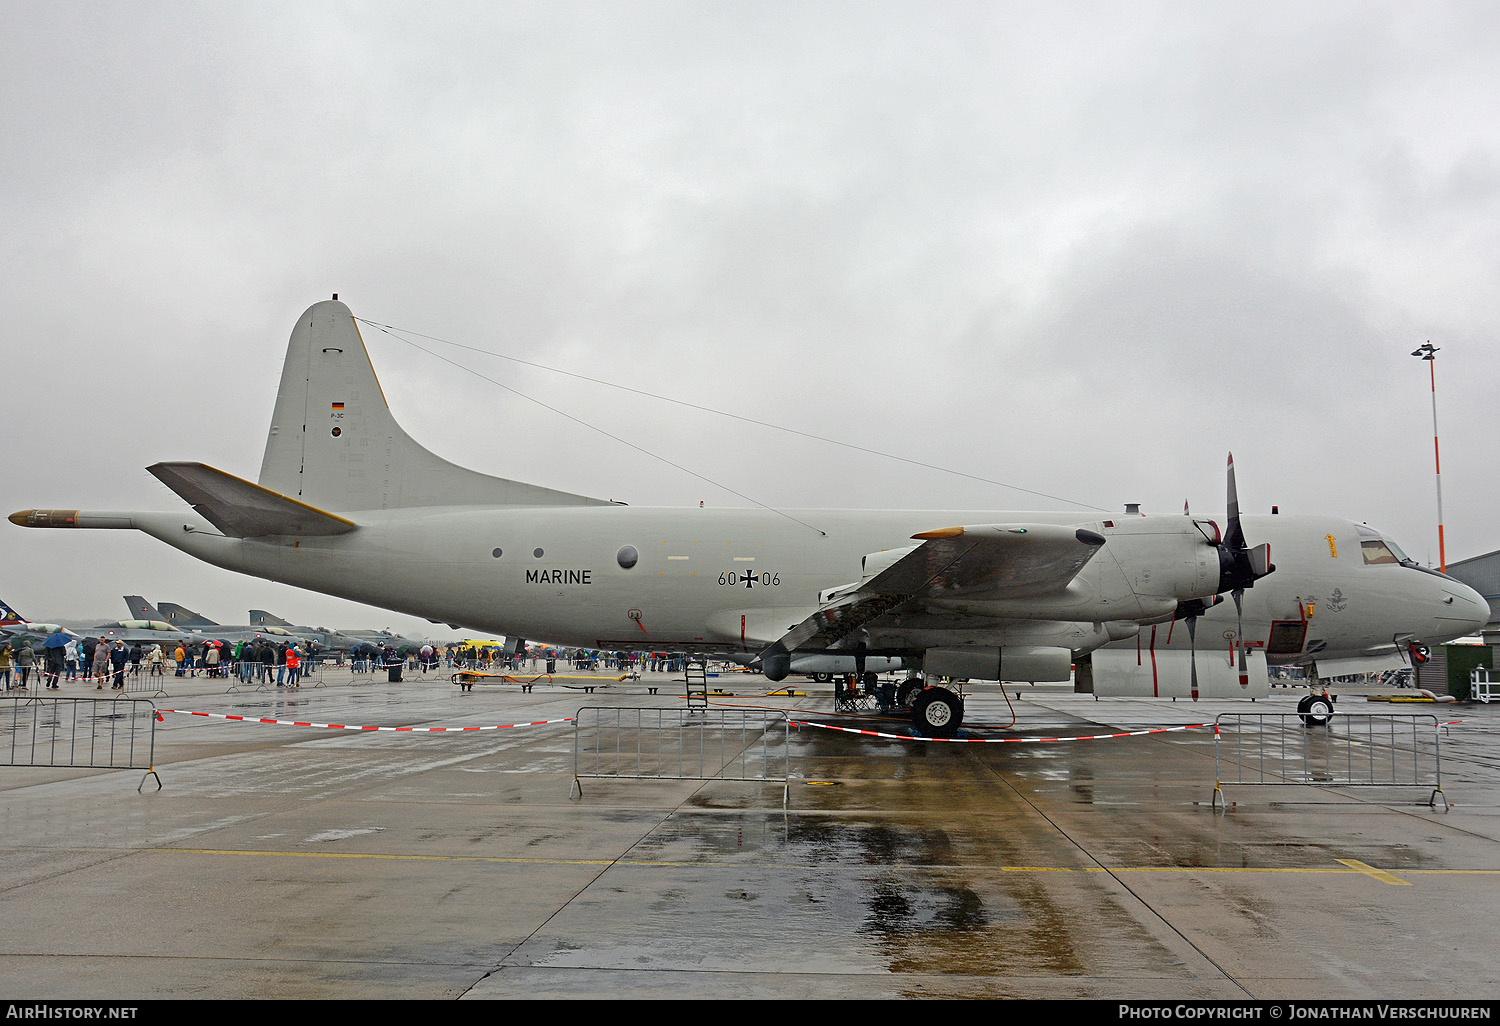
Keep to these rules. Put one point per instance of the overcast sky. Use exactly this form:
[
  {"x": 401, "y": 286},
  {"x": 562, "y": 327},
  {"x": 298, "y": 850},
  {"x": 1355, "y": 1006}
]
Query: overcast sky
[{"x": 1083, "y": 249}]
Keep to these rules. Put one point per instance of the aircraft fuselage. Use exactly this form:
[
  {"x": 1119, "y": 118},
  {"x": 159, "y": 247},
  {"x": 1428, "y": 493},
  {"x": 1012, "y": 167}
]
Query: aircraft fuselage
[{"x": 737, "y": 579}]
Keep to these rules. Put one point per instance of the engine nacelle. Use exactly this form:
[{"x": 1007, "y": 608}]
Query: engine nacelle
[
  {"x": 1128, "y": 673},
  {"x": 842, "y": 664},
  {"x": 1012, "y": 662},
  {"x": 776, "y": 666}
]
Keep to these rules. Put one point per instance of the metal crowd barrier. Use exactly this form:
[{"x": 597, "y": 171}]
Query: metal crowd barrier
[
  {"x": 1482, "y": 686},
  {"x": 116, "y": 732},
  {"x": 248, "y": 674},
  {"x": 1350, "y": 750},
  {"x": 638, "y": 743}
]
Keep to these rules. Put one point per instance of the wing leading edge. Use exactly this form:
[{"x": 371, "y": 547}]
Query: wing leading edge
[{"x": 991, "y": 561}]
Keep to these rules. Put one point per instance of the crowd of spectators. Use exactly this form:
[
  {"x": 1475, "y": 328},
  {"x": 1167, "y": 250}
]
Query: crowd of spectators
[{"x": 262, "y": 661}]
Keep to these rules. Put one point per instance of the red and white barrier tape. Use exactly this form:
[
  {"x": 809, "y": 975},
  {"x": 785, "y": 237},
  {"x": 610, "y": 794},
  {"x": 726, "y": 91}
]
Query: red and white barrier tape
[
  {"x": 998, "y": 740},
  {"x": 348, "y": 726}
]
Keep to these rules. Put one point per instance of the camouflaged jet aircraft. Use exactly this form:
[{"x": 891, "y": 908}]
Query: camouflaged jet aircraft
[
  {"x": 151, "y": 630},
  {"x": 348, "y": 504},
  {"x": 198, "y": 628}
]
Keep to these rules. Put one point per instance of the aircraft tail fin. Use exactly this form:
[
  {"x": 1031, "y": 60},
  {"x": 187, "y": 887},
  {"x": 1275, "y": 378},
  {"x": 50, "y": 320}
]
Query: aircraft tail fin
[
  {"x": 9, "y": 616},
  {"x": 140, "y": 609},
  {"x": 182, "y": 616},
  {"x": 334, "y": 443},
  {"x": 261, "y": 618}
]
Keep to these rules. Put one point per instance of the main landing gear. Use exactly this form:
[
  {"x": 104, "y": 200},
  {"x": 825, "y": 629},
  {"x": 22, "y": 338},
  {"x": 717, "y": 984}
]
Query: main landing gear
[{"x": 936, "y": 712}]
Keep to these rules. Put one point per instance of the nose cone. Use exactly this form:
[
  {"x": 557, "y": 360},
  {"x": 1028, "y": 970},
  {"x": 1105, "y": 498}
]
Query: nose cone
[{"x": 1464, "y": 610}]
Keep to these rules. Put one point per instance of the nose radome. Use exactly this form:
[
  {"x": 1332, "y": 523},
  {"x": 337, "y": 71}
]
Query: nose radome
[{"x": 1469, "y": 607}]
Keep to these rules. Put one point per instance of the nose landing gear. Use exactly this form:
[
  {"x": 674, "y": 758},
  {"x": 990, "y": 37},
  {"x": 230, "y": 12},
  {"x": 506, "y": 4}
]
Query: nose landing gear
[{"x": 1316, "y": 710}]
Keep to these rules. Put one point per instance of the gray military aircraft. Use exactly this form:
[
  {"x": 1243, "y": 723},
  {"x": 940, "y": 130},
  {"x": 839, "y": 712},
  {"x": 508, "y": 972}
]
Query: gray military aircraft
[
  {"x": 196, "y": 627},
  {"x": 346, "y": 639},
  {"x": 13, "y": 626},
  {"x": 348, "y": 504},
  {"x": 326, "y": 638}
]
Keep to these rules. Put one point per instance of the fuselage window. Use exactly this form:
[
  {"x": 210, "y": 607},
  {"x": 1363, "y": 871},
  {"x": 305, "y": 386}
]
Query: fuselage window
[
  {"x": 627, "y": 557},
  {"x": 1377, "y": 552}
]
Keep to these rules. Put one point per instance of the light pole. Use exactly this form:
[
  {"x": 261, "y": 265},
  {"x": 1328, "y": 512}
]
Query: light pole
[{"x": 1427, "y": 351}]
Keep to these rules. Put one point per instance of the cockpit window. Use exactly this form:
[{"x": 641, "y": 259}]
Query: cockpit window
[{"x": 1379, "y": 549}]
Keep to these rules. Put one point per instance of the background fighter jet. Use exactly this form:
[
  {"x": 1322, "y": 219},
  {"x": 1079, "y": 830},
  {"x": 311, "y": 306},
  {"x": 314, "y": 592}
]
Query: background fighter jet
[
  {"x": 200, "y": 628},
  {"x": 325, "y": 638},
  {"x": 14, "y": 626},
  {"x": 961, "y": 594}
]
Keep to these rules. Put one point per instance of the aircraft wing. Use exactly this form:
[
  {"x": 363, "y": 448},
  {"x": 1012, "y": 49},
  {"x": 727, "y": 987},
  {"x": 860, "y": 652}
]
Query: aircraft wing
[
  {"x": 987, "y": 562},
  {"x": 243, "y": 509}
]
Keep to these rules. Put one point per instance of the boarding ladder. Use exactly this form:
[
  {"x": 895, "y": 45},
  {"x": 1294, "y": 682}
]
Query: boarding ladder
[{"x": 695, "y": 671}]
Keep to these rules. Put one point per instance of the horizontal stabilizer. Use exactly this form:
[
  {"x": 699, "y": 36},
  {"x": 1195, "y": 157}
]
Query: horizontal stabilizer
[{"x": 242, "y": 509}]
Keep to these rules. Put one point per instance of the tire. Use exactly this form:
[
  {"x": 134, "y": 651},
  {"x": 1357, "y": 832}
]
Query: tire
[
  {"x": 937, "y": 712},
  {"x": 1318, "y": 712},
  {"x": 906, "y": 691}
]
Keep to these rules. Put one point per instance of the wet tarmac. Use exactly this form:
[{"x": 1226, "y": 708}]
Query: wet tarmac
[{"x": 305, "y": 862}]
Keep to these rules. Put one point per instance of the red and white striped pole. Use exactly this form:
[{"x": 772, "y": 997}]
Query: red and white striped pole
[{"x": 1427, "y": 351}]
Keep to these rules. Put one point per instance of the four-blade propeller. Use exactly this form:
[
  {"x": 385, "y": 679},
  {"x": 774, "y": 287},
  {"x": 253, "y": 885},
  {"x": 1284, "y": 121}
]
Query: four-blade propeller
[{"x": 1239, "y": 568}]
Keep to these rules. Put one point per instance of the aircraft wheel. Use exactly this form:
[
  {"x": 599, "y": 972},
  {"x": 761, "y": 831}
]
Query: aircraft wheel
[
  {"x": 821, "y": 678},
  {"x": 1318, "y": 711},
  {"x": 906, "y": 691},
  {"x": 937, "y": 712}
]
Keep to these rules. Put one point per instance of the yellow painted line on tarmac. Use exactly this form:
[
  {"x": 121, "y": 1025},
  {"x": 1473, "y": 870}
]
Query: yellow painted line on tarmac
[
  {"x": 1222, "y": 869},
  {"x": 1345, "y": 865},
  {"x": 1371, "y": 871},
  {"x": 375, "y": 855}
]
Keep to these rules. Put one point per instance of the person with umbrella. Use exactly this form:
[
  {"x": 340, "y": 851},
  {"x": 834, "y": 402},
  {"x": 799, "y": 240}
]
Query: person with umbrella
[{"x": 52, "y": 651}]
